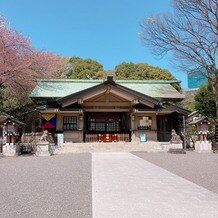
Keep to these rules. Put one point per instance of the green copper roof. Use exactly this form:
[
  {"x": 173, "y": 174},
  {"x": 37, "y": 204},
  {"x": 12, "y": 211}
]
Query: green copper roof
[{"x": 58, "y": 88}]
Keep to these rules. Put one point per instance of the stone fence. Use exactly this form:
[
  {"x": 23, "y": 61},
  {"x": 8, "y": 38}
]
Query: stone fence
[
  {"x": 35, "y": 137},
  {"x": 32, "y": 143}
]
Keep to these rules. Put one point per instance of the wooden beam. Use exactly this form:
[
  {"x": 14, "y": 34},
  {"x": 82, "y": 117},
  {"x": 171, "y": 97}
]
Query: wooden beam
[
  {"x": 122, "y": 95},
  {"x": 84, "y": 97},
  {"x": 107, "y": 110},
  {"x": 104, "y": 104}
]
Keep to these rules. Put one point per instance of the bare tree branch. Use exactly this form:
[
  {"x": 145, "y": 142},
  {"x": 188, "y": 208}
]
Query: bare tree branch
[{"x": 189, "y": 34}]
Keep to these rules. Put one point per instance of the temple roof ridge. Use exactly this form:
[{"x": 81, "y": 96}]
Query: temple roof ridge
[{"x": 101, "y": 81}]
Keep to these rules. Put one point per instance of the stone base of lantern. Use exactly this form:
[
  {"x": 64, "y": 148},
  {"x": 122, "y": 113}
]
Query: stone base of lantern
[
  {"x": 10, "y": 150},
  {"x": 43, "y": 149},
  {"x": 203, "y": 147}
]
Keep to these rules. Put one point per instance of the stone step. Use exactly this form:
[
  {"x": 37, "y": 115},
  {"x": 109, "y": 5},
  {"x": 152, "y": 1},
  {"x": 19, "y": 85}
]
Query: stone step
[
  {"x": 102, "y": 147},
  {"x": 177, "y": 151}
]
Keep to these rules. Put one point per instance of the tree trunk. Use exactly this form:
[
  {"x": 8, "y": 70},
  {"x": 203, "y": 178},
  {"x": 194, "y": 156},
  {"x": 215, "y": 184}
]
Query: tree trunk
[
  {"x": 216, "y": 121},
  {"x": 215, "y": 92},
  {"x": 215, "y": 97}
]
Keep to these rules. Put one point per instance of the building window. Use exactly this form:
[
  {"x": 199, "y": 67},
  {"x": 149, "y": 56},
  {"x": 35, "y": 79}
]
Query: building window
[
  {"x": 109, "y": 125},
  {"x": 99, "y": 125},
  {"x": 113, "y": 125},
  {"x": 70, "y": 123},
  {"x": 105, "y": 123}
]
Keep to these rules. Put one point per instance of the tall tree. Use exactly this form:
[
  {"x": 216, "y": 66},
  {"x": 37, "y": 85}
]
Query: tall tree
[
  {"x": 79, "y": 68},
  {"x": 143, "y": 71},
  {"x": 190, "y": 34},
  {"x": 204, "y": 102},
  {"x": 20, "y": 64},
  {"x": 13, "y": 51}
]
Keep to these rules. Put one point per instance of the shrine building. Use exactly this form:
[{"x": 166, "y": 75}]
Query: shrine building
[{"x": 106, "y": 111}]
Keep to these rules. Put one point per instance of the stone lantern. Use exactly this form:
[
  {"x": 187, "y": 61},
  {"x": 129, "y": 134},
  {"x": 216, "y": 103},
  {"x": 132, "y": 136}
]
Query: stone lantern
[
  {"x": 10, "y": 134},
  {"x": 202, "y": 129},
  {"x": 202, "y": 145}
]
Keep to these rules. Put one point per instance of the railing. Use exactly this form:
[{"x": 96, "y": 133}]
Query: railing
[
  {"x": 122, "y": 137},
  {"x": 91, "y": 137},
  {"x": 27, "y": 147},
  {"x": 107, "y": 137}
]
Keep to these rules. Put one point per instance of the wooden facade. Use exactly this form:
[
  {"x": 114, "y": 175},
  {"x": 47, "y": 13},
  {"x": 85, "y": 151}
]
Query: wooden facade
[{"x": 110, "y": 112}]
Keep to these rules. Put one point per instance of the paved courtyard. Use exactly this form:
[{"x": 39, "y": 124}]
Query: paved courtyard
[
  {"x": 109, "y": 184},
  {"x": 57, "y": 186},
  {"x": 201, "y": 169}
]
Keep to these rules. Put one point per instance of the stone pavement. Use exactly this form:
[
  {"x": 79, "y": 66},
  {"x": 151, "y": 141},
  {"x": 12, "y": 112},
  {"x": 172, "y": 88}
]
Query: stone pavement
[
  {"x": 109, "y": 184},
  {"x": 56, "y": 186},
  {"x": 199, "y": 168},
  {"x": 124, "y": 185}
]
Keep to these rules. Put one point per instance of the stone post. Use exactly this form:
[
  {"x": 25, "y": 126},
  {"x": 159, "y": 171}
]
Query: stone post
[
  {"x": 43, "y": 146},
  {"x": 10, "y": 150},
  {"x": 176, "y": 145},
  {"x": 203, "y": 147},
  {"x": 42, "y": 149}
]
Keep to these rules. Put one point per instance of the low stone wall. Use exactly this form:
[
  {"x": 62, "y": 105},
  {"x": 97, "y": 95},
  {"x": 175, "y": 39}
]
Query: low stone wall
[
  {"x": 151, "y": 135},
  {"x": 11, "y": 150},
  {"x": 30, "y": 143},
  {"x": 35, "y": 137},
  {"x": 73, "y": 136}
]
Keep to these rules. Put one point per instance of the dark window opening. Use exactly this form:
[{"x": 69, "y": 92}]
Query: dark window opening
[
  {"x": 70, "y": 123},
  {"x": 106, "y": 122}
]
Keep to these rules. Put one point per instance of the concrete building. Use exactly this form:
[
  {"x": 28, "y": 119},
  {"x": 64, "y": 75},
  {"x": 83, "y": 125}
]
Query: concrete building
[{"x": 197, "y": 78}]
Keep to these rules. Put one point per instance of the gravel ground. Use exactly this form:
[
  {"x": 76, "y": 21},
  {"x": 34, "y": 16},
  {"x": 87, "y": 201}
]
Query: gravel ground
[
  {"x": 201, "y": 169},
  {"x": 57, "y": 186}
]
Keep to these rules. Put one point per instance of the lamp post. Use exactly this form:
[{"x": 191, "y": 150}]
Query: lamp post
[
  {"x": 184, "y": 132},
  {"x": 10, "y": 132}
]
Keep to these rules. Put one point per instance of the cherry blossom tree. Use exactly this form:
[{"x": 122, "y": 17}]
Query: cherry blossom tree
[{"x": 20, "y": 63}]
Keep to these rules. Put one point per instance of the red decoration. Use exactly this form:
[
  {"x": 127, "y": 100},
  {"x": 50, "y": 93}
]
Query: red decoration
[{"x": 48, "y": 125}]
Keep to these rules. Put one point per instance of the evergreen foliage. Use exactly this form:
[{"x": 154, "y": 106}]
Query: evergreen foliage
[
  {"x": 83, "y": 68},
  {"x": 142, "y": 71},
  {"x": 204, "y": 102}
]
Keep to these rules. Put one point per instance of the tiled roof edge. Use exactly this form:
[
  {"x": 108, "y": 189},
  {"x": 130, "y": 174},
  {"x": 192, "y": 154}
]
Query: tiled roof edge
[{"x": 117, "y": 81}]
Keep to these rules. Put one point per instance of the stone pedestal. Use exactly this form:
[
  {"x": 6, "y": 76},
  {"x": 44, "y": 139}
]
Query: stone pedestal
[
  {"x": 203, "y": 147},
  {"x": 176, "y": 145},
  {"x": 176, "y": 148},
  {"x": 43, "y": 149},
  {"x": 172, "y": 146},
  {"x": 177, "y": 151},
  {"x": 10, "y": 150}
]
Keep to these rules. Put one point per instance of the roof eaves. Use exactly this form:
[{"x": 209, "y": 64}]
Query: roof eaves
[
  {"x": 69, "y": 80},
  {"x": 151, "y": 99},
  {"x": 149, "y": 81},
  {"x": 101, "y": 81},
  {"x": 179, "y": 109},
  {"x": 60, "y": 100},
  {"x": 200, "y": 119}
]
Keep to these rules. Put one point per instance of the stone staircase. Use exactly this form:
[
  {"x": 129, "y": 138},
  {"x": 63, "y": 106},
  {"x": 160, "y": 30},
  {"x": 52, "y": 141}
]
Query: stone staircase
[{"x": 150, "y": 146}]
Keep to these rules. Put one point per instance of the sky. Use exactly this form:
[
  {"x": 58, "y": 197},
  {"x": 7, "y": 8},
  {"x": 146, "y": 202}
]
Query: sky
[{"x": 103, "y": 30}]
